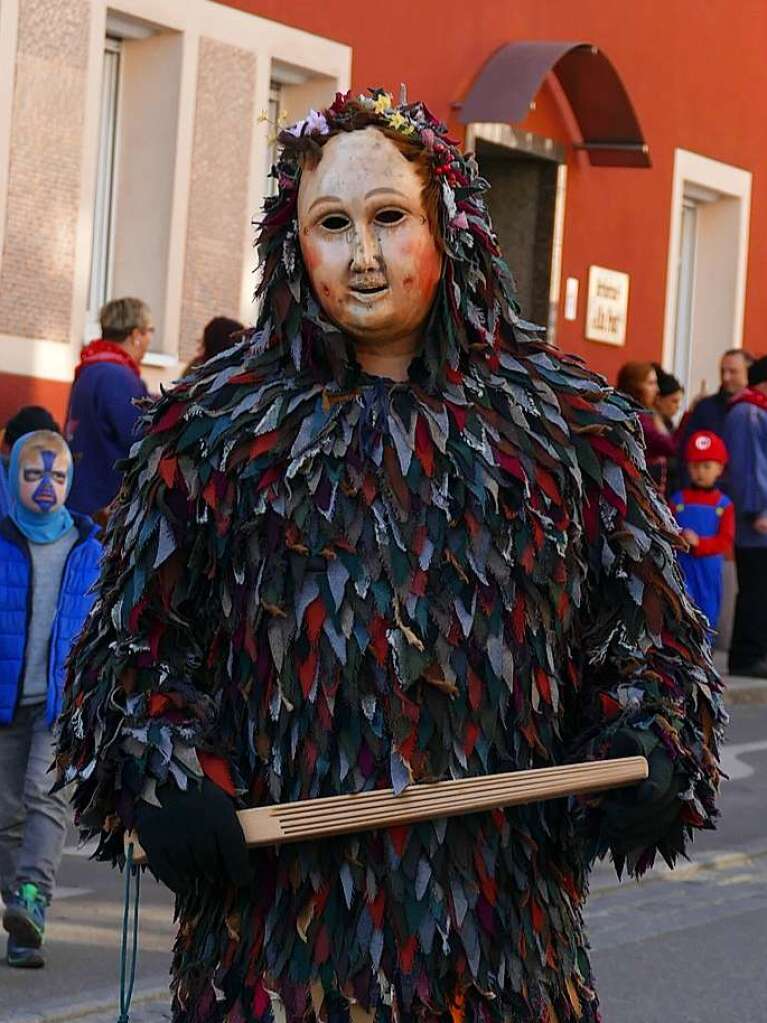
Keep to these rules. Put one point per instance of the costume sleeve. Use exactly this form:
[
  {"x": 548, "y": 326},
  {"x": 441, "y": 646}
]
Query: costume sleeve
[
  {"x": 724, "y": 539},
  {"x": 143, "y": 699},
  {"x": 645, "y": 660}
]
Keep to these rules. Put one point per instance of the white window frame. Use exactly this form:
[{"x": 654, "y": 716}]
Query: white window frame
[
  {"x": 102, "y": 245},
  {"x": 702, "y": 179},
  {"x": 684, "y": 319},
  {"x": 273, "y": 123}
]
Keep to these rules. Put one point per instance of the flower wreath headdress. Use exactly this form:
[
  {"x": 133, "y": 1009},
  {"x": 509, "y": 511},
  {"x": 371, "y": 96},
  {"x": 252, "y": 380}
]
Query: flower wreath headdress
[{"x": 475, "y": 307}]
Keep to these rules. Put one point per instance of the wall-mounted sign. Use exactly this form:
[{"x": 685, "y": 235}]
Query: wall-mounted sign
[{"x": 607, "y": 306}]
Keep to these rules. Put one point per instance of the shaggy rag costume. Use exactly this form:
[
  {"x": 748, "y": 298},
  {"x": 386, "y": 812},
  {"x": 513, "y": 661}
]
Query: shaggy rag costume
[{"x": 322, "y": 582}]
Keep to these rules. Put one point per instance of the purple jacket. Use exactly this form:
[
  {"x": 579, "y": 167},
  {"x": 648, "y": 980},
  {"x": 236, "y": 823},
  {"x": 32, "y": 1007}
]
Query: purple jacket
[
  {"x": 745, "y": 434},
  {"x": 101, "y": 426}
]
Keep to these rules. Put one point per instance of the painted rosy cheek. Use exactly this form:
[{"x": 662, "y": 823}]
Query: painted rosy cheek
[{"x": 310, "y": 254}]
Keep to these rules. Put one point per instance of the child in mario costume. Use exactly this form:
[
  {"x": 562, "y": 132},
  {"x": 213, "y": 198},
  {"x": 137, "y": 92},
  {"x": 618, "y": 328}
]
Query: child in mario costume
[{"x": 707, "y": 518}]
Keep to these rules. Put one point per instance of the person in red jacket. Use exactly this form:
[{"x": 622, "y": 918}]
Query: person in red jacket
[
  {"x": 102, "y": 414},
  {"x": 707, "y": 518}
]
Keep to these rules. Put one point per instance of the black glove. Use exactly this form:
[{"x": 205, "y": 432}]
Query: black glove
[
  {"x": 195, "y": 835},
  {"x": 648, "y": 813}
]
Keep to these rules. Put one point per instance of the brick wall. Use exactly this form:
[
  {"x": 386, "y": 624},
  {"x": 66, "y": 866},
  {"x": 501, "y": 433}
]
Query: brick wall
[
  {"x": 38, "y": 261},
  {"x": 218, "y": 201}
]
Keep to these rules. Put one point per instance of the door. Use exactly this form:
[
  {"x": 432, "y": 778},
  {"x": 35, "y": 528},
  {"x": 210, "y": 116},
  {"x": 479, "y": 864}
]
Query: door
[
  {"x": 683, "y": 335},
  {"x": 522, "y": 202}
]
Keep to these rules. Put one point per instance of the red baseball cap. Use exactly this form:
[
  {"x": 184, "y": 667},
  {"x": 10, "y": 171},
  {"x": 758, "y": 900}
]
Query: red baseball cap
[{"x": 705, "y": 446}]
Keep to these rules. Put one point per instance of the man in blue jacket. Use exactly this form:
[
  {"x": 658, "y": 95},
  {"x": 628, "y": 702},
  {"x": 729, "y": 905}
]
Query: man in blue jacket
[
  {"x": 48, "y": 562},
  {"x": 745, "y": 434},
  {"x": 709, "y": 413},
  {"x": 102, "y": 412}
]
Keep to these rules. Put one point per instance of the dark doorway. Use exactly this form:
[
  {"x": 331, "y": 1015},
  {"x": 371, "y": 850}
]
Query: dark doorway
[{"x": 522, "y": 203}]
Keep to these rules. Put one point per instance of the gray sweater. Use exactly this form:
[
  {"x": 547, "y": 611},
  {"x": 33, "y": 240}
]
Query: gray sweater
[{"x": 48, "y": 560}]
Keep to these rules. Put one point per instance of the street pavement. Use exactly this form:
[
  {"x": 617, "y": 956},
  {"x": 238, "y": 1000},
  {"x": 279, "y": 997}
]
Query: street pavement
[
  {"x": 687, "y": 946},
  {"x": 690, "y": 945}
]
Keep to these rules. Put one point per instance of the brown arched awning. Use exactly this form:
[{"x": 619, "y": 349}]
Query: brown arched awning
[{"x": 511, "y": 78}]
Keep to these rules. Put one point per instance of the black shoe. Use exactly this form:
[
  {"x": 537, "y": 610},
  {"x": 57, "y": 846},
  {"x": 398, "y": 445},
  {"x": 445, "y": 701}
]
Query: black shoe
[{"x": 756, "y": 669}]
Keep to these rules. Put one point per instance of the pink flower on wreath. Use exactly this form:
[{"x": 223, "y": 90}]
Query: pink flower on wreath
[{"x": 314, "y": 124}]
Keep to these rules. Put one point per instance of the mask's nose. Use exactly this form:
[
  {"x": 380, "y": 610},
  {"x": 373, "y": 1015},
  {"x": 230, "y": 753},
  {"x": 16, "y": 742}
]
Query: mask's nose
[{"x": 366, "y": 249}]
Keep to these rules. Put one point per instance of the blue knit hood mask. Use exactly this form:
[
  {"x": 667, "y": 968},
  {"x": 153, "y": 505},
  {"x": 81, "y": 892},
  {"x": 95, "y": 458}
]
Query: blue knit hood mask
[{"x": 36, "y": 454}]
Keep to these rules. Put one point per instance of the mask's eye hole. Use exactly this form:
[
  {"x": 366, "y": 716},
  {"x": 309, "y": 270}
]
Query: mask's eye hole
[
  {"x": 389, "y": 217},
  {"x": 335, "y": 222}
]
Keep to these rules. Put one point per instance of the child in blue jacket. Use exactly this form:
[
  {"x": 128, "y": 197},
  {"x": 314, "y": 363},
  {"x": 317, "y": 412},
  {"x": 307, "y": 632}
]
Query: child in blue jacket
[
  {"x": 49, "y": 561},
  {"x": 707, "y": 518}
]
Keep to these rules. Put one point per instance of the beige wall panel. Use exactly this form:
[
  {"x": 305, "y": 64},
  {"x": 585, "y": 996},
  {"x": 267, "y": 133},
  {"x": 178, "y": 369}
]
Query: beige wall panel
[
  {"x": 43, "y": 200},
  {"x": 218, "y": 216}
]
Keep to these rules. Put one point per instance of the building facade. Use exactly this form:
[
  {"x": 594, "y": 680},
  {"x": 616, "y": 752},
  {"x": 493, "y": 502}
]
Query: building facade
[{"x": 621, "y": 142}]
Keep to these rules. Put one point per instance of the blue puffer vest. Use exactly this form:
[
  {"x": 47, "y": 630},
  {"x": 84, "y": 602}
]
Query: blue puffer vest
[{"x": 75, "y": 601}]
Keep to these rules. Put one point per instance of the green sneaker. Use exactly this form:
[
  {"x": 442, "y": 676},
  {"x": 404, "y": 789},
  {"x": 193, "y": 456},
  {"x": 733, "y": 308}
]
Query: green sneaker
[
  {"x": 24, "y": 917},
  {"x": 24, "y": 958}
]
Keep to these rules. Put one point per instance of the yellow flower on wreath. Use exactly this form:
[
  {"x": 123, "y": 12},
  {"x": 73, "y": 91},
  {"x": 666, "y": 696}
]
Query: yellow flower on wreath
[
  {"x": 400, "y": 123},
  {"x": 382, "y": 103}
]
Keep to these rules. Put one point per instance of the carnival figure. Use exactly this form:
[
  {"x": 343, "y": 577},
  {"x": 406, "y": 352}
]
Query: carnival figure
[{"x": 392, "y": 537}]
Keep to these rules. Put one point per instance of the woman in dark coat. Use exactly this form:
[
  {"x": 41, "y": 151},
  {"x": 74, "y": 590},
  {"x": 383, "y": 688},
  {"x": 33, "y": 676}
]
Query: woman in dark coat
[{"x": 640, "y": 381}]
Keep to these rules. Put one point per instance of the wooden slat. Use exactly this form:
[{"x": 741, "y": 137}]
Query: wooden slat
[{"x": 339, "y": 815}]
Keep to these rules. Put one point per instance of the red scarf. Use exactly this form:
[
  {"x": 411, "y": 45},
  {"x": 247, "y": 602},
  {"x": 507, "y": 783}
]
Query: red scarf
[
  {"x": 106, "y": 351},
  {"x": 751, "y": 397}
]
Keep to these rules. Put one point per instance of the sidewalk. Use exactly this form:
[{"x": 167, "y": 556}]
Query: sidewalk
[
  {"x": 746, "y": 690},
  {"x": 740, "y": 688}
]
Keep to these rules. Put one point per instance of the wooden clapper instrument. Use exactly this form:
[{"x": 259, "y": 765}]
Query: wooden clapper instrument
[{"x": 383, "y": 808}]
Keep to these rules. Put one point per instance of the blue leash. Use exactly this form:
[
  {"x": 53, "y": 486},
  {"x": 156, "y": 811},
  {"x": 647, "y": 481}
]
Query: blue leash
[{"x": 127, "y": 982}]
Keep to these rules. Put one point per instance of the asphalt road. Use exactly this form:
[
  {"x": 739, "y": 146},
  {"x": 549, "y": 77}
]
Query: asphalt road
[
  {"x": 690, "y": 946},
  {"x": 682, "y": 947}
]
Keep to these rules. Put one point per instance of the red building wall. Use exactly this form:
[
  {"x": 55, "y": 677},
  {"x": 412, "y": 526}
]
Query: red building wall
[
  {"x": 692, "y": 71},
  {"x": 17, "y": 391}
]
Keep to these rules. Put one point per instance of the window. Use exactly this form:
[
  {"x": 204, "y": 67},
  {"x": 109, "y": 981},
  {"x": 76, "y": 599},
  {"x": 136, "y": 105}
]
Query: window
[
  {"x": 275, "y": 109},
  {"x": 684, "y": 293},
  {"x": 707, "y": 262},
  {"x": 103, "y": 214}
]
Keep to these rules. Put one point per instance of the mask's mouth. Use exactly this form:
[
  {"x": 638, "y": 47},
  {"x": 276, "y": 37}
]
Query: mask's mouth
[
  {"x": 45, "y": 501},
  {"x": 369, "y": 286}
]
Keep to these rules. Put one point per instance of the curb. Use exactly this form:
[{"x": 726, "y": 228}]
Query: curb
[
  {"x": 61, "y": 1012},
  {"x": 740, "y": 688},
  {"x": 723, "y": 860},
  {"x": 748, "y": 694}
]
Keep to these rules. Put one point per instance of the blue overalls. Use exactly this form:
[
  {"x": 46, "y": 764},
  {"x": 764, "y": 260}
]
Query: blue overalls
[{"x": 710, "y": 515}]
